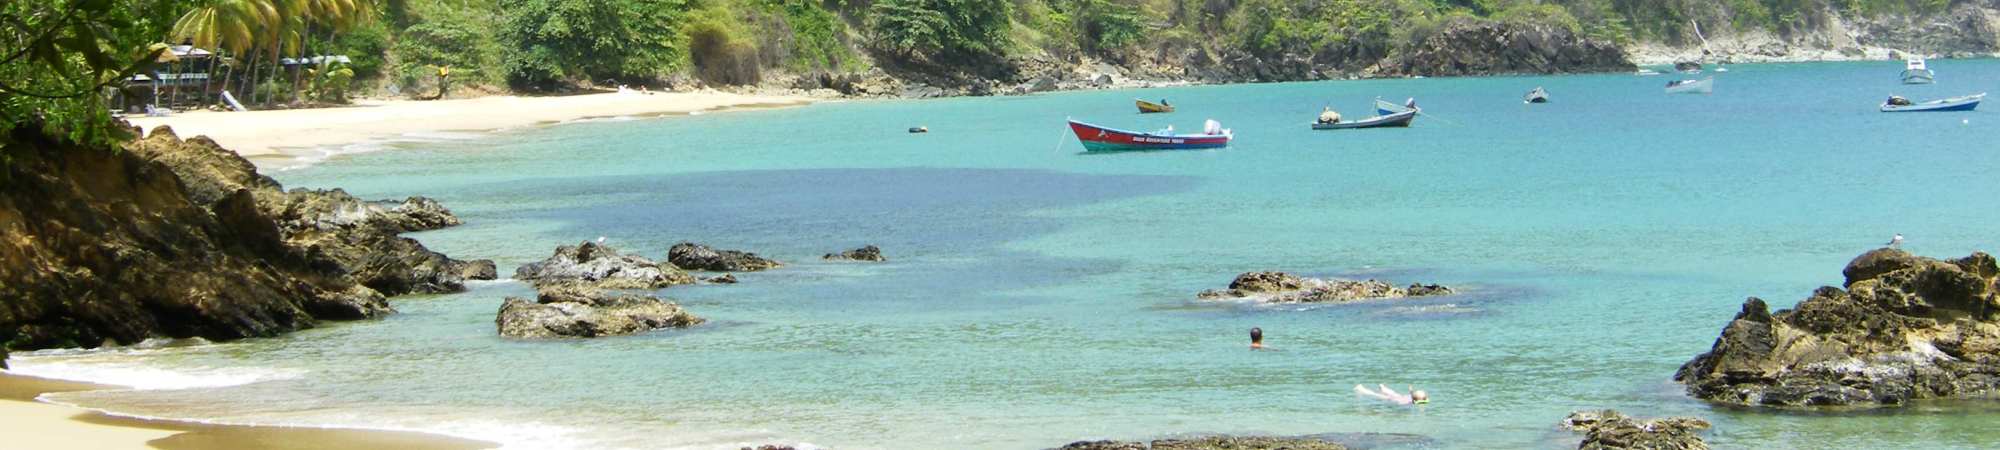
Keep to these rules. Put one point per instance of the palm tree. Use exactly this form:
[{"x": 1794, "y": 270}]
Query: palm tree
[{"x": 228, "y": 25}]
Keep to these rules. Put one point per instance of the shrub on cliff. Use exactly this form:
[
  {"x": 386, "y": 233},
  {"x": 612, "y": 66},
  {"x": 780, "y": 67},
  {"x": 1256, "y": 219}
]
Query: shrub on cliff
[{"x": 942, "y": 31}]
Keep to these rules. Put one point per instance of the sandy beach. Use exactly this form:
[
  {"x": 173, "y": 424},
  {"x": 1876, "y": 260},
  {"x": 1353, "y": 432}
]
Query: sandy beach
[
  {"x": 29, "y": 424},
  {"x": 266, "y": 136}
]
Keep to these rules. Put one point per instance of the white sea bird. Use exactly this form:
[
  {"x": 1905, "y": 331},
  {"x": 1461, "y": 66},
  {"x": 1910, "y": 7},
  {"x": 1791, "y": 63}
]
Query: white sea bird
[
  {"x": 600, "y": 239},
  {"x": 1895, "y": 241}
]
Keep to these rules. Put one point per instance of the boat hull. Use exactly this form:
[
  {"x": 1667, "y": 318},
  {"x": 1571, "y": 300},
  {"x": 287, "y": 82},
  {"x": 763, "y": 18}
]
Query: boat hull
[
  {"x": 1146, "y": 107},
  {"x": 1923, "y": 76},
  {"x": 1966, "y": 103},
  {"x": 1701, "y": 86},
  {"x": 1102, "y": 139},
  {"x": 1396, "y": 120}
]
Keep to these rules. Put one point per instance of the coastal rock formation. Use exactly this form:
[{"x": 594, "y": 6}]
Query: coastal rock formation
[
  {"x": 867, "y": 253},
  {"x": 601, "y": 266},
  {"x": 722, "y": 279},
  {"x": 692, "y": 256},
  {"x": 574, "y": 310},
  {"x": 1211, "y": 443},
  {"x": 478, "y": 269},
  {"x": 1280, "y": 287},
  {"x": 166, "y": 238},
  {"x": 1904, "y": 328},
  {"x": 1478, "y": 47},
  {"x": 330, "y": 229},
  {"x": 1612, "y": 430}
]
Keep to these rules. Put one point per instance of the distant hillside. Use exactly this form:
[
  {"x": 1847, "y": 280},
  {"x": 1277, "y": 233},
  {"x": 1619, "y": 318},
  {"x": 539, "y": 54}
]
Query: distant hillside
[{"x": 933, "y": 47}]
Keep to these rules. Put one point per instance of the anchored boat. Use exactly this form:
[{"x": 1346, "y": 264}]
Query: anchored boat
[
  {"x": 1536, "y": 96},
  {"x": 1150, "y": 107},
  {"x": 1915, "y": 71},
  {"x": 1966, "y": 103},
  {"x": 1392, "y": 120},
  {"x": 1106, "y": 139},
  {"x": 1387, "y": 115},
  {"x": 1701, "y": 86}
]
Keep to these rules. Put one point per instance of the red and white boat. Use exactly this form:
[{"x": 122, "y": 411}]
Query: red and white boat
[{"x": 1105, "y": 139}]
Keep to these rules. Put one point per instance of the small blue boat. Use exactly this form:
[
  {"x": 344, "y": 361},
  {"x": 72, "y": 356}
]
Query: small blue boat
[{"x": 1966, "y": 103}]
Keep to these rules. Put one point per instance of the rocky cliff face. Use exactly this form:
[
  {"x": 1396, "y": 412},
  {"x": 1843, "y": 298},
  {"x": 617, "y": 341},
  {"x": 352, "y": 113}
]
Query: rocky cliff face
[
  {"x": 1966, "y": 29},
  {"x": 1474, "y": 47},
  {"x": 172, "y": 238},
  {"x": 1904, "y": 328}
]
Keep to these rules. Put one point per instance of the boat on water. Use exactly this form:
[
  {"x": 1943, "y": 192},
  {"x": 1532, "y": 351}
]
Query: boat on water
[
  {"x": 1646, "y": 72},
  {"x": 1701, "y": 86},
  {"x": 1965, "y": 103},
  {"x": 1387, "y": 115},
  {"x": 1150, "y": 107},
  {"x": 1536, "y": 96},
  {"x": 1106, "y": 139},
  {"x": 1916, "y": 71},
  {"x": 1391, "y": 120}
]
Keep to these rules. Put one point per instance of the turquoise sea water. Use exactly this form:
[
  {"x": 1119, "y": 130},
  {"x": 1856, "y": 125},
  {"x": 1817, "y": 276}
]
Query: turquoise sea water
[{"x": 1037, "y": 295}]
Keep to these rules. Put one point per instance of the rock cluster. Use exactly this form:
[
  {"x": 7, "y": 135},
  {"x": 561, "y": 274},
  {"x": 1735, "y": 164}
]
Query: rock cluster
[
  {"x": 1211, "y": 443},
  {"x": 181, "y": 238},
  {"x": 692, "y": 256},
  {"x": 1904, "y": 328},
  {"x": 602, "y": 267},
  {"x": 1280, "y": 287},
  {"x": 867, "y": 253},
  {"x": 1610, "y": 430},
  {"x": 582, "y": 311}
]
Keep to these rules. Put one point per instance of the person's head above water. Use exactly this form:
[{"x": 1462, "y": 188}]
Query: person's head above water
[
  {"x": 1256, "y": 337},
  {"x": 1419, "y": 397}
]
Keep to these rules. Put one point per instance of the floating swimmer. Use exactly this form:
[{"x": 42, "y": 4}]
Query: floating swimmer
[{"x": 1416, "y": 397}]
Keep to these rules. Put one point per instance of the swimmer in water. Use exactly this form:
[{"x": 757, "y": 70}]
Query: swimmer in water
[
  {"x": 1416, "y": 397},
  {"x": 1257, "y": 338}
]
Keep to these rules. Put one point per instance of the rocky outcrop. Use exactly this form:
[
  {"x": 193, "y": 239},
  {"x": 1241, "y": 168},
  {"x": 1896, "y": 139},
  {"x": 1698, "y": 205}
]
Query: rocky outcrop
[
  {"x": 692, "y": 256},
  {"x": 1612, "y": 430},
  {"x": 1481, "y": 47},
  {"x": 867, "y": 253},
  {"x": 1211, "y": 443},
  {"x": 581, "y": 311},
  {"x": 721, "y": 279},
  {"x": 602, "y": 267},
  {"x": 1280, "y": 287},
  {"x": 167, "y": 238},
  {"x": 1904, "y": 328},
  {"x": 334, "y": 231},
  {"x": 478, "y": 269}
]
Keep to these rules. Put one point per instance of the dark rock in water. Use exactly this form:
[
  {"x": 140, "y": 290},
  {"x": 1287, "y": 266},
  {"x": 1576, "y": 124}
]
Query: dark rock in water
[
  {"x": 602, "y": 267},
  {"x": 181, "y": 238},
  {"x": 583, "y": 311},
  {"x": 1609, "y": 430},
  {"x": 869, "y": 253},
  {"x": 1685, "y": 66},
  {"x": 692, "y": 256},
  {"x": 478, "y": 269},
  {"x": 1280, "y": 287},
  {"x": 1266, "y": 282},
  {"x": 1425, "y": 290},
  {"x": 722, "y": 279},
  {"x": 1212, "y": 443},
  {"x": 1906, "y": 328},
  {"x": 1467, "y": 46}
]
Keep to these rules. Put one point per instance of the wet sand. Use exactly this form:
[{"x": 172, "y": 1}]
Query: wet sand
[{"x": 29, "y": 424}]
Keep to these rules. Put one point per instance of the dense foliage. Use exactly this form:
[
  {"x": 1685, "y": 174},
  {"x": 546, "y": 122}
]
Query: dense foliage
[{"x": 58, "y": 58}]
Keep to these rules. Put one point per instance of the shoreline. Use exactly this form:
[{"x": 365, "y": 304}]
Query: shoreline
[
  {"x": 291, "y": 137},
  {"x": 31, "y": 423}
]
